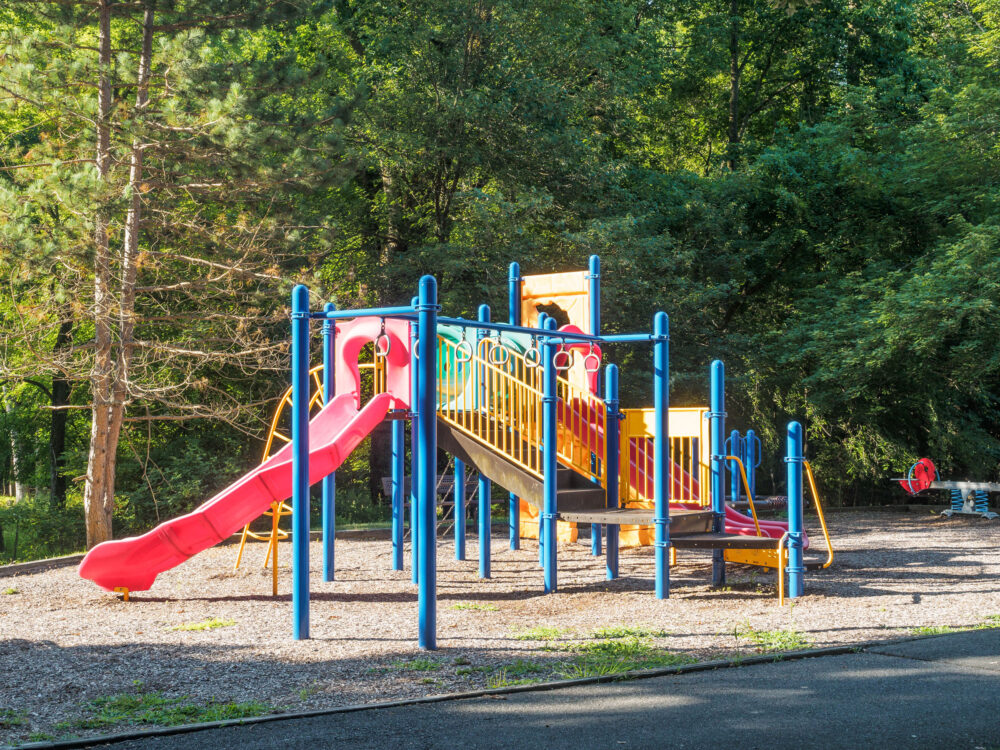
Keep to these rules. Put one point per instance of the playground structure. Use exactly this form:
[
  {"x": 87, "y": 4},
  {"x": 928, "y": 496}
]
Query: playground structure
[
  {"x": 525, "y": 407},
  {"x": 967, "y": 498}
]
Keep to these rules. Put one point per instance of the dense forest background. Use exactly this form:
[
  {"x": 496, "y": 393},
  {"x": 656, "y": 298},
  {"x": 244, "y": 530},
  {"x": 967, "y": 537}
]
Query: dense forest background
[{"x": 811, "y": 190}]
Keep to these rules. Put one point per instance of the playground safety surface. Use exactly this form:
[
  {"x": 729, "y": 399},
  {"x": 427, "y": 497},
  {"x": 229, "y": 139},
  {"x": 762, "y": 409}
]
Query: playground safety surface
[{"x": 66, "y": 643}]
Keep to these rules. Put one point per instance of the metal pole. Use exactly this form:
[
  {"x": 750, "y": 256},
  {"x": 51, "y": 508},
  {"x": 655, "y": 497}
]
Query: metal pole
[
  {"x": 426, "y": 478},
  {"x": 547, "y": 527},
  {"x": 542, "y": 320},
  {"x": 794, "y": 458},
  {"x": 485, "y": 499},
  {"x": 300, "y": 462},
  {"x": 514, "y": 318},
  {"x": 717, "y": 415},
  {"x": 458, "y": 495},
  {"x": 398, "y": 474},
  {"x": 329, "y": 481},
  {"x": 414, "y": 421},
  {"x": 661, "y": 451},
  {"x": 753, "y": 460},
  {"x": 735, "y": 449},
  {"x": 612, "y": 415},
  {"x": 594, "y": 288}
]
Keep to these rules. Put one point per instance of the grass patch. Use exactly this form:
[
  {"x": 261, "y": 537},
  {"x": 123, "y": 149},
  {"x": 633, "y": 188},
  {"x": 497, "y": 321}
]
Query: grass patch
[
  {"x": 541, "y": 633},
  {"x": 417, "y": 665},
  {"x": 215, "y": 622},
  {"x": 156, "y": 709},
  {"x": 623, "y": 631},
  {"x": 10, "y": 592},
  {"x": 10, "y": 718},
  {"x": 476, "y": 607},
  {"x": 935, "y": 630},
  {"x": 768, "y": 641},
  {"x": 618, "y": 655},
  {"x": 502, "y": 678}
]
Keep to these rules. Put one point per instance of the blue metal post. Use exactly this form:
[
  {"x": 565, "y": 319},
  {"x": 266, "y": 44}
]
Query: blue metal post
[
  {"x": 514, "y": 318},
  {"x": 329, "y": 481},
  {"x": 542, "y": 323},
  {"x": 426, "y": 448},
  {"x": 485, "y": 499},
  {"x": 717, "y": 415},
  {"x": 594, "y": 288},
  {"x": 398, "y": 474},
  {"x": 300, "y": 462},
  {"x": 734, "y": 468},
  {"x": 458, "y": 495},
  {"x": 753, "y": 461},
  {"x": 794, "y": 458},
  {"x": 414, "y": 421},
  {"x": 612, "y": 415},
  {"x": 547, "y": 527},
  {"x": 661, "y": 452}
]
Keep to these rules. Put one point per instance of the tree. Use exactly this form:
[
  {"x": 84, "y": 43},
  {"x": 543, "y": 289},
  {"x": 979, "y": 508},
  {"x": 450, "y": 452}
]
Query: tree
[{"x": 152, "y": 197}]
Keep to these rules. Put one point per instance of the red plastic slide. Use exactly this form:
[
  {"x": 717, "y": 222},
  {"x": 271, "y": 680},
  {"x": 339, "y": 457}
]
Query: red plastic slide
[{"x": 135, "y": 562}]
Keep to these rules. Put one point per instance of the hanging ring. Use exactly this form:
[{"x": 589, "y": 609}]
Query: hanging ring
[
  {"x": 567, "y": 361},
  {"x": 463, "y": 351},
  {"x": 592, "y": 362},
  {"x": 501, "y": 359},
  {"x": 533, "y": 357},
  {"x": 383, "y": 344}
]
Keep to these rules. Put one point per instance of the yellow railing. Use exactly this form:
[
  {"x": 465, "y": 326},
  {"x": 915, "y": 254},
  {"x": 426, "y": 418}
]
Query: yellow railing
[
  {"x": 689, "y": 449},
  {"x": 819, "y": 512},
  {"x": 494, "y": 395}
]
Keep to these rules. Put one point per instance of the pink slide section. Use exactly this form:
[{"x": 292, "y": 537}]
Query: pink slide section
[{"x": 135, "y": 562}]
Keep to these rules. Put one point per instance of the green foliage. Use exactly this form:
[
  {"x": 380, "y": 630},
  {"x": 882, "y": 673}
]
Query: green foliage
[
  {"x": 476, "y": 606},
  {"x": 541, "y": 633},
  {"x": 767, "y": 641},
  {"x": 33, "y": 529},
  {"x": 418, "y": 665},
  {"x": 154, "y": 708}
]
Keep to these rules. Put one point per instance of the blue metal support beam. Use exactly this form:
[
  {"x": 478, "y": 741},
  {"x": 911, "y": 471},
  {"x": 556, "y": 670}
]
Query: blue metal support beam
[
  {"x": 485, "y": 499},
  {"x": 300, "y": 462},
  {"x": 794, "y": 458},
  {"x": 611, "y": 422},
  {"x": 547, "y": 527},
  {"x": 717, "y": 415},
  {"x": 426, "y": 479},
  {"x": 514, "y": 318},
  {"x": 661, "y": 452},
  {"x": 594, "y": 297},
  {"x": 329, "y": 481}
]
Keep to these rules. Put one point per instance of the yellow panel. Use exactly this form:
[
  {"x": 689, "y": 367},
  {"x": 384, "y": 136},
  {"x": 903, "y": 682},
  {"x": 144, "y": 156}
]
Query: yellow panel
[
  {"x": 570, "y": 291},
  {"x": 765, "y": 558}
]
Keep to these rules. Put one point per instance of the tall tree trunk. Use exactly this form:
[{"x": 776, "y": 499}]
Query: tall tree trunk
[
  {"x": 20, "y": 491},
  {"x": 57, "y": 431},
  {"x": 98, "y": 497},
  {"x": 732, "y": 153}
]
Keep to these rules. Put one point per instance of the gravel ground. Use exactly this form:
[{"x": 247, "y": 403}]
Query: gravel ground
[{"x": 66, "y": 643}]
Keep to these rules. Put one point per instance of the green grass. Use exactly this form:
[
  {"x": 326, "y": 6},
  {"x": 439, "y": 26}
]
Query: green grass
[
  {"x": 154, "y": 708},
  {"x": 10, "y": 718},
  {"x": 10, "y": 591},
  {"x": 418, "y": 665},
  {"x": 212, "y": 624},
  {"x": 770, "y": 641},
  {"x": 541, "y": 633},
  {"x": 936, "y": 630},
  {"x": 623, "y": 631},
  {"x": 616, "y": 656},
  {"x": 476, "y": 607}
]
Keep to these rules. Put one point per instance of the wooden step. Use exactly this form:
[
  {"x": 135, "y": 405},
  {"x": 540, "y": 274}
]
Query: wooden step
[
  {"x": 681, "y": 521},
  {"x": 722, "y": 541}
]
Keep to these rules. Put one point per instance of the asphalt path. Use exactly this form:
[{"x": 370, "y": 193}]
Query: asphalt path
[{"x": 941, "y": 692}]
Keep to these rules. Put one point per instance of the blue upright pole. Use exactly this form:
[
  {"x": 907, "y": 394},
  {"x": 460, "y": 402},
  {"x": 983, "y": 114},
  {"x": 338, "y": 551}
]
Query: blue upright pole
[
  {"x": 542, "y": 323},
  {"x": 485, "y": 499},
  {"x": 612, "y": 415},
  {"x": 329, "y": 481},
  {"x": 514, "y": 318},
  {"x": 426, "y": 449},
  {"x": 794, "y": 458},
  {"x": 547, "y": 528},
  {"x": 753, "y": 461},
  {"x": 414, "y": 421},
  {"x": 594, "y": 283},
  {"x": 458, "y": 495},
  {"x": 398, "y": 474},
  {"x": 661, "y": 451},
  {"x": 734, "y": 468},
  {"x": 717, "y": 415},
  {"x": 300, "y": 462}
]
